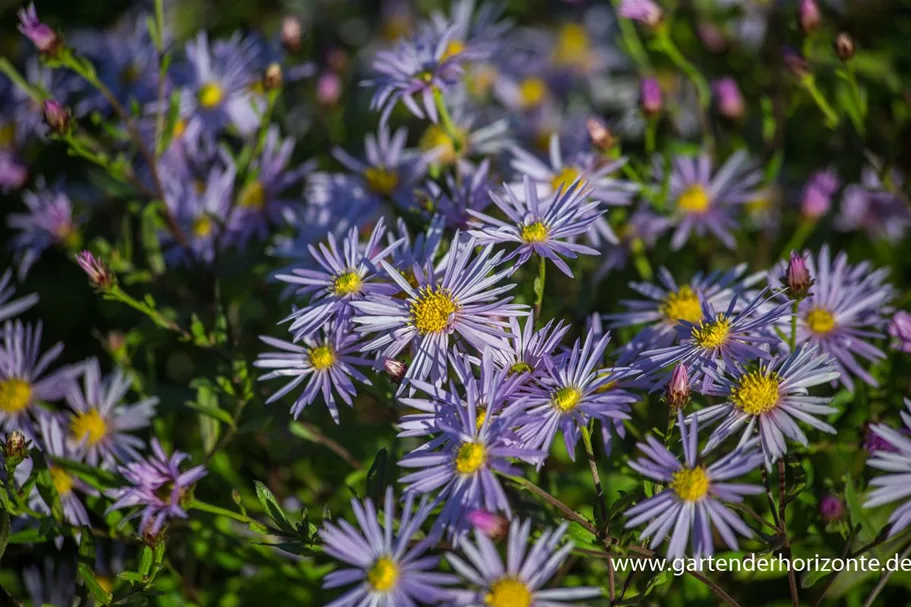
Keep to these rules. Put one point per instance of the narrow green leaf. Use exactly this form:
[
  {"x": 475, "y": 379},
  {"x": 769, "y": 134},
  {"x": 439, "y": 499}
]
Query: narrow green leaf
[
  {"x": 272, "y": 508},
  {"x": 88, "y": 577}
]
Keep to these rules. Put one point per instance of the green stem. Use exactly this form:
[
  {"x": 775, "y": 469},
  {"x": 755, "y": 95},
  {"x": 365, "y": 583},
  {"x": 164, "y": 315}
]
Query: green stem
[
  {"x": 631, "y": 39},
  {"x": 602, "y": 502},
  {"x": 118, "y": 294},
  {"x": 800, "y": 236},
  {"x": 13, "y": 74},
  {"x": 792, "y": 342},
  {"x": 539, "y": 286},
  {"x": 859, "y": 103},
  {"x": 809, "y": 84},
  {"x": 651, "y": 130},
  {"x": 665, "y": 44},
  {"x": 446, "y": 119},
  {"x": 671, "y": 418},
  {"x": 195, "y": 504}
]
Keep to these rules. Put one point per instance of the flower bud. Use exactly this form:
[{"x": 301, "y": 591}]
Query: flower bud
[
  {"x": 601, "y": 137},
  {"x": 844, "y": 46},
  {"x": 57, "y": 117},
  {"x": 797, "y": 278},
  {"x": 328, "y": 89},
  {"x": 809, "y": 16},
  {"x": 272, "y": 77},
  {"x": 831, "y": 508},
  {"x": 43, "y": 37},
  {"x": 677, "y": 392},
  {"x": 644, "y": 11},
  {"x": 900, "y": 330},
  {"x": 728, "y": 99},
  {"x": 817, "y": 194},
  {"x": 395, "y": 369},
  {"x": 650, "y": 98},
  {"x": 491, "y": 524},
  {"x": 795, "y": 63},
  {"x": 15, "y": 450},
  {"x": 291, "y": 34},
  {"x": 100, "y": 276}
]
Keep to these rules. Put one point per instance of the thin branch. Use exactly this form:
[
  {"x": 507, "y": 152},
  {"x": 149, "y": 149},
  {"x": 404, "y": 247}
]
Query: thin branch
[{"x": 884, "y": 579}]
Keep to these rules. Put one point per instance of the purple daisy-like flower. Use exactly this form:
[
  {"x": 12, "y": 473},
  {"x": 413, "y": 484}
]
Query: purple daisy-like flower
[
  {"x": 539, "y": 227},
  {"x": 13, "y": 173},
  {"x": 643, "y": 11},
  {"x": 344, "y": 277},
  {"x": 848, "y": 306},
  {"x": 896, "y": 463},
  {"x": 49, "y": 221},
  {"x": 769, "y": 400},
  {"x": 479, "y": 31},
  {"x": 100, "y": 423},
  {"x": 693, "y": 501},
  {"x": 525, "y": 349},
  {"x": 53, "y": 584},
  {"x": 475, "y": 441},
  {"x": 728, "y": 337},
  {"x": 521, "y": 581},
  {"x": 816, "y": 199},
  {"x": 460, "y": 296},
  {"x": 420, "y": 250},
  {"x": 158, "y": 486},
  {"x": 459, "y": 199},
  {"x": 24, "y": 376},
  {"x": 388, "y": 569},
  {"x": 899, "y": 329},
  {"x": 635, "y": 236},
  {"x": 870, "y": 206},
  {"x": 325, "y": 360},
  {"x": 42, "y": 36},
  {"x": 701, "y": 201},
  {"x": 448, "y": 149},
  {"x": 568, "y": 395},
  {"x": 11, "y": 309},
  {"x": 413, "y": 70}
]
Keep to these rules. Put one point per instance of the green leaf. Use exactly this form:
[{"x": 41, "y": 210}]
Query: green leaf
[
  {"x": 209, "y": 406},
  {"x": 145, "y": 561},
  {"x": 88, "y": 576},
  {"x": 857, "y": 514},
  {"x": 272, "y": 508},
  {"x": 796, "y": 478},
  {"x": 5, "y": 529},
  {"x": 132, "y": 576},
  {"x": 376, "y": 476}
]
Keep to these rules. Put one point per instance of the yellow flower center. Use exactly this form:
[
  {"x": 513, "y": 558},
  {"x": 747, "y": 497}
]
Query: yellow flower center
[
  {"x": 481, "y": 418},
  {"x": 89, "y": 425},
  {"x": 15, "y": 395},
  {"x": 347, "y": 283},
  {"x": 712, "y": 334},
  {"x": 481, "y": 79},
  {"x": 452, "y": 49},
  {"x": 7, "y": 134},
  {"x": 322, "y": 357},
  {"x": 690, "y": 485},
  {"x": 383, "y": 575},
  {"x": 565, "y": 178},
  {"x": 203, "y": 226},
  {"x": 210, "y": 95},
  {"x": 534, "y": 232},
  {"x": 470, "y": 457},
  {"x": 381, "y": 181},
  {"x": 565, "y": 399},
  {"x": 694, "y": 199},
  {"x": 179, "y": 127},
  {"x": 508, "y": 592},
  {"x": 435, "y": 138},
  {"x": 682, "y": 305},
  {"x": 252, "y": 196},
  {"x": 820, "y": 321},
  {"x": 63, "y": 482},
  {"x": 532, "y": 92},
  {"x": 521, "y": 367},
  {"x": 573, "y": 46},
  {"x": 756, "y": 393},
  {"x": 431, "y": 311}
]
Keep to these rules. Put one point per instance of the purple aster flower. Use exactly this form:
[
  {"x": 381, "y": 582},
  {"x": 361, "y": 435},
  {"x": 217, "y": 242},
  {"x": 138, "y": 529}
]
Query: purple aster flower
[
  {"x": 24, "y": 377},
  {"x": 539, "y": 227},
  {"x": 456, "y": 204},
  {"x": 899, "y": 329},
  {"x": 569, "y": 395},
  {"x": 643, "y": 11},
  {"x": 344, "y": 277},
  {"x": 388, "y": 171},
  {"x": 49, "y": 221},
  {"x": 100, "y": 423},
  {"x": 481, "y": 32},
  {"x": 728, "y": 98},
  {"x": 651, "y": 99},
  {"x": 259, "y": 203},
  {"x": 871, "y": 207},
  {"x": 475, "y": 441},
  {"x": 525, "y": 349},
  {"x": 13, "y": 174},
  {"x": 459, "y": 296},
  {"x": 200, "y": 208},
  {"x": 635, "y": 236},
  {"x": 389, "y": 569},
  {"x": 43, "y": 37},
  {"x": 158, "y": 486},
  {"x": 421, "y": 250},
  {"x": 11, "y": 309},
  {"x": 895, "y": 462},
  {"x": 702, "y": 201},
  {"x": 26, "y": 116},
  {"x": 521, "y": 581},
  {"x": 491, "y": 524},
  {"x": 846, "y": 309},
  {"x": 769, "y": 399},
  {"x": 831, "y": 508},
  {"x": 727, "y": 337},
  {"x": 325, "y": 360},
  {"x": 817, "y": 194},
  {"x": 53, "y": 584},
  {"x": 693, "y": 501},
  {"x": 446, "y": 149},
  {"x": 414, "y": 69}
]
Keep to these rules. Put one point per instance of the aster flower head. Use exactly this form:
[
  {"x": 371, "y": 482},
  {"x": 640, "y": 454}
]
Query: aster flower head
[
  {"x": 9, "y": 307},
  {"x": 521, "y": 580},
  {"x": 49, "y": 221},
  {"x": 693, "y": 502},
  {"x": 542, "y": 228},
  {"x": 479, "y": 31},
  {"x": 458, "y": 200},
  {"x": 728, "y": 98},
  {"x": 769, "y": 399},
  {"x": 326, "y": 360},
  {"x": 869, "y": 206},
  {"x": 414, "y": 70},
  {"x": 201, "y": 209},
  {"x": 100, "y": 275},
  {"x": 42, "y": 36},
  {"x": 848, "y": 307},
  {"x": 651, "y": 98},
  {"x": 646, "y": 12},
  {"x": 420, "y": 250},
  {"x": 158, "y": 486},
  {"x": 703, "y": 201},
  {"x": 13, "y": 173},
  {"x": 100, "y": 422},
  {"x": 797, "y": 277},
  {"x": 571, "y": 392},
  {"x": 461, "y": 296},
  {"x": 388, "y": 568},
  {"x": 899, "y": 329},
  {"x": 895, "y": 462},
  {"x": 24, "y": 376},
  {"x": 344, "y": 276},
  {"x": 525, "y": 348},
  {"x": 455, "y": 148},
  {"x": 636, "y": 235},
  {"x": 817, "y": 194}
]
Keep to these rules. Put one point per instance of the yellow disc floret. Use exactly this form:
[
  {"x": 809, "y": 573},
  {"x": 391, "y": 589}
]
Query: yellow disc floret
[
  {"x": 694, "y": 199},
  {"x": 63, "y": 482},
  {"x": 690, "y": 485},
  {"x": 712, "y": 334},
  {"x": 682, "y": 305},
  {"x": 210, "y": 95},
  {"x": 756, "y": 393},
  {"x": 508, "y": 592},
  {"x": 322, "y": 357},
  {"x": 470, "y": 457},
  {"x": 381, "y": 181},
  {"x": 383, "y": 575},
  {"x": 565, "y": 399},
  {"x": 15, "y": 395},
  {"x": 534, "y": 232},
  {"x": 347, "y": 284},
  {"x": 431, "y": 311},
  {"x": 565, "y": 178},
  {"x": 89, "y": 426},
  {"x": 252, "y": 196},
  {"x": 820, "y": 321}
]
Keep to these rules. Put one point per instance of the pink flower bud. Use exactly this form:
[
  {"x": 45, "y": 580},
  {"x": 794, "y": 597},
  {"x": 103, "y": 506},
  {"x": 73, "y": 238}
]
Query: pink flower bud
[
  {"x": 395, "y": 369},
  {"x": 100, "y": 276},
  {"x": 809, "y": 15},
  {"x": 817, "y": 194},
  {"x": 900, "y": 330},
  {"x": 490, "y": 524},
  {"x": 328, "y": 89},
  {"x": 57, "y": 117},
  {"x": 644, "y": 11},
  {"x": 650, "y": 97},
  {"x": 831, "y": 508},
  {"x": 43, "y": 37},
  {"x": 728, "y": 99},
  {"x": 677, "y": 393},
  {"x": 291, "y": 34},
  {"x": 797, "y": 277}
]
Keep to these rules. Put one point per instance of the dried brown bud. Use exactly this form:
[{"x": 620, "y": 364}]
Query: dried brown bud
[
  {"x": 844, "y": 46},
  {"x": 602, "y": 138},
  {"x": 272, "y": 77},
  {"x": 395, "y": 369}
]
